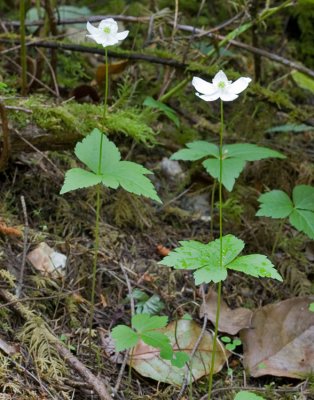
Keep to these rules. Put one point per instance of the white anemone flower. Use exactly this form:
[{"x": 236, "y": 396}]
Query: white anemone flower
[
  {"x": 220, "y": 88},
  {"x": 107, "y": 32}
]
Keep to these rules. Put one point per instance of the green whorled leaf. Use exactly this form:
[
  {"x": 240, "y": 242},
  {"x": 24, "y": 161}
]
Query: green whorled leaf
[
  {"x": 109, "y": 180},
  {"x": 89, "y": 148},
  {"x": 196, "y": 150},
  {"x": 131, "y": 177},
  {"x": 255, "y": 265},
  {"x": 303, "y": 220},
  {"x": 244, "y": 395},
  {"x": 275, "y": 204},
  {"x": 249, "y": 152},
  {"x": 78, "y": 178},
  {"x": 290, "y": 128},
  {"x": 159, "y": 341},
  {"x": 213, "y": 273},
  {"x": 231, "y": 169},
  {"x": 145, "y": 322},
  {"x": 205, "y": 258},
  {"x": 303, "y": 197},
  {"x": 191, "y": 255},
  {"x": 124, "y": 337},
  {"x": 168, "y": 111},
  {"x": 180, "y": 358}
]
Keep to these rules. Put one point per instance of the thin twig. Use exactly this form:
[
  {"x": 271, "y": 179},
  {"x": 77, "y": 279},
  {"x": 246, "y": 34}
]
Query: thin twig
[
  {"x": 26, "y": 229},
  {"x": 188, "y": 371},
  {"x": 126, "y": 356},
  {"x": 6, "y": 146},
  {"x": 52, "y": 71}
]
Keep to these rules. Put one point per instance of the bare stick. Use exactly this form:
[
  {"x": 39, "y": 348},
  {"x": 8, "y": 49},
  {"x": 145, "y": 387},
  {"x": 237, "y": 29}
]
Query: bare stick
[
  {"x": 188, "y": 372},
  {"x": 6, "y": 147},
  {"x": 26, "y": 229}
]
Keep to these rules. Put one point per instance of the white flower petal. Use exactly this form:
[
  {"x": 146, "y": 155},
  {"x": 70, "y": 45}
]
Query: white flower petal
[
  {"x": 206, "y": 97},
  {"x": 99, "y": 39},
  {"x": 220, "y": 77},
  {"x": 203, "y": 87},
  {"x": 226, "y": 96},
  {"x": 109, "y": 23},
  {"x": 92, "y": 29},
  {"x": 239, "y": 85},
  {"x": 111, "y": 40},
  {"x": 122, "y": 35}
]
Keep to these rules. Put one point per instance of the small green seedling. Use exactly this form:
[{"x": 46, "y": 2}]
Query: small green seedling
[
  {"x": 234, "y": 158},
  {"x": 146, "y": 328},
  {"x": 299, "y": 210},
  {"x": 145, "y": 304},
  {"x": 231, "y": 344},
  {"x": 205, "y": 260},
  {"x": 247, "y": 396},
  {"x": 111, "y": 171},
  {"x": 311, "y": 307}
]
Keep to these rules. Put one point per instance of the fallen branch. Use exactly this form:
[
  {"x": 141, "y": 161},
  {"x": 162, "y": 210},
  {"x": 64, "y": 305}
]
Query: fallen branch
[
  {"x": 67, "y": 356},
  {"x": 186, "y": 28}
]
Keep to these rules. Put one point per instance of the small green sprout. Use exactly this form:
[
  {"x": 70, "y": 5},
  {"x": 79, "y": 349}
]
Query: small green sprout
[
  {"x": 231, "y": 344},
  {"x": 146, "y": 328}
]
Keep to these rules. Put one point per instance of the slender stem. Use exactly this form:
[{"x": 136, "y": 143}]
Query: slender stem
[
  {"x": 106, "y": 83},
  {"x": 279, "y": 233},
  {"x": 23, "y": 47},
  {"x": 212, "y": 204},
  {"x": 211, "y": 373},
  {"x": 96, "y": 245}
]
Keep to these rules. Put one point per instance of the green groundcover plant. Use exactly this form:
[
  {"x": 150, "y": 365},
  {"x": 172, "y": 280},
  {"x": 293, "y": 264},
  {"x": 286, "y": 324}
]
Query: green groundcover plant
[{"x": 299, "y": 210}]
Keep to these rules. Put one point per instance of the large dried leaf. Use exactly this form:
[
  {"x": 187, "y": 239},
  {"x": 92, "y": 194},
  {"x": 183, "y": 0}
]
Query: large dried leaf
[
  {"x": 280, "y": 341},
  {"x": 230, "y": 321},
  {"x": 183, "y": 335}
]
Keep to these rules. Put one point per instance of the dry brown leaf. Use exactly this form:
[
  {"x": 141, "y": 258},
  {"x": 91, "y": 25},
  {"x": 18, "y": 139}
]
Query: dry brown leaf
[
  {"x": 281, "y": 339},
  {"x": 230, "y": 321},
  {"x": 183, "y": 335}
]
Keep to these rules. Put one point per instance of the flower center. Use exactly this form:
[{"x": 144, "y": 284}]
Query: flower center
[
  {"x": 107, "y": 29},
  {"x": 221, "y": 85}
]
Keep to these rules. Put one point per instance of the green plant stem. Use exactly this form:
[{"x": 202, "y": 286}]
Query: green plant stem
[
  {"x": 174, "y": 90},
  {"x": 212, "y": 204},
  {"x": 106, "y": 84},
  {"x": 23, "y": 48},
  {"x": 96, "y": 245},
  {"x": 279, "y": 233},
  {"x": 212, "y": 364}
]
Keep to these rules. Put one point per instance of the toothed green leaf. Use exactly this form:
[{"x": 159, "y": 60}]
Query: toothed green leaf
[
  {"x": 124, "y": 337},
  {"x": 78, "y": 178},
  {"x": 112, "y": 172},
  {"x": 231, "y": 169},
  {"x": 275, "y": 204},
  {"x": 234, "y": 158},
  {"x": 255, "y": 265}
]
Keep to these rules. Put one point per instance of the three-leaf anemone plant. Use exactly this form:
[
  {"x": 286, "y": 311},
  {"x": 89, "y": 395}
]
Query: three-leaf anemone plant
[
  {"x": 102, "y": 157},
  {"x": 211, "y": 262}
]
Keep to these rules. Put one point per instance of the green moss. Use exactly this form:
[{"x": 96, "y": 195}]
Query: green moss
[{"x": 79, "y": 118}]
